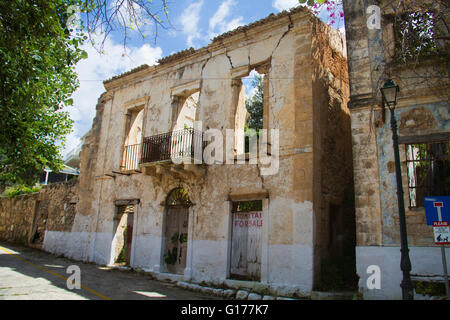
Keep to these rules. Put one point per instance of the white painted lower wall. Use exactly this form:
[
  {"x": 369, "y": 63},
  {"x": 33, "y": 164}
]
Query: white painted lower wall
[
  {"x": 73, "y": 245},
  {"x": 289, "y": 268},
  {"x": 425, "y": 261}
]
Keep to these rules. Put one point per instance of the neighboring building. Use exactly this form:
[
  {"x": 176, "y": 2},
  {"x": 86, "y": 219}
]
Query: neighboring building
[
  {"x": 139, "y": 206},
  {"x": 423, "y": 115},
  {"x": 72, "y": 158},
  {"x": 65, "y": 174}
]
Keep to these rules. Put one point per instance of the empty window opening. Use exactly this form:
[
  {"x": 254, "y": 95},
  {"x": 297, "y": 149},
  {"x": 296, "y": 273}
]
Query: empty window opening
[
  {"x": 415, "y": 36},
  {"x": 254, "y": 100},
  {"x": 428, "y": 168},
  {"x": 249, "y": 117}
]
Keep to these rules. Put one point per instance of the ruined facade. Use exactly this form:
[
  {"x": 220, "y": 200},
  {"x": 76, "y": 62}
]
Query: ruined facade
[
  {"x": 225, "y": 221},
  {"x": 423, "y": 117}
]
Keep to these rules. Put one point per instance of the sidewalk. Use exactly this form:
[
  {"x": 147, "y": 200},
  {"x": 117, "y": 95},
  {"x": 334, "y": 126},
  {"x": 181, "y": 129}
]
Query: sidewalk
[{"x": 30, "y": 274}]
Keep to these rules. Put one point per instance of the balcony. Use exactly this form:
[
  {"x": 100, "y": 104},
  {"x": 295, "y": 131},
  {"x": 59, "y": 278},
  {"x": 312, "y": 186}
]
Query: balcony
[{"x": 175, "y": 152}]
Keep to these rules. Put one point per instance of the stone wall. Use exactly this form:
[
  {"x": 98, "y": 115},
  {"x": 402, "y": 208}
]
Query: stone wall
[
  {"x": 26, "y": 218},
  {"x": 16, "y": 217}
]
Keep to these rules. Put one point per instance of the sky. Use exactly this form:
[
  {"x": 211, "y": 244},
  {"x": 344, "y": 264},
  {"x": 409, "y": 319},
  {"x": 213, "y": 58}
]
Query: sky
[{"x": 194, "y": 24}]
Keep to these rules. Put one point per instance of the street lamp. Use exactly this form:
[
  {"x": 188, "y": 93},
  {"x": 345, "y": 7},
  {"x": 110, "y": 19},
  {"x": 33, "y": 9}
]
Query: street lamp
[{"x": 389, "y": 93}]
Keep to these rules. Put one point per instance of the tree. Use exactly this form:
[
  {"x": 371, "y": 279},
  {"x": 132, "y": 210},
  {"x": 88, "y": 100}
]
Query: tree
[
  {"x": 141, "y": 16},
  {"x": 39, "y": 48},
  {"x": 421, "y": 34},
  {"x": 254, "y": 104},
  {"x": 37, "y": 78}
]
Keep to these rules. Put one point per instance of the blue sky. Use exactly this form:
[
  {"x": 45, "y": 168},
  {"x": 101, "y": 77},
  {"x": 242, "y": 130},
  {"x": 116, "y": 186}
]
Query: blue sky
[{"x": 195, "y": 23}]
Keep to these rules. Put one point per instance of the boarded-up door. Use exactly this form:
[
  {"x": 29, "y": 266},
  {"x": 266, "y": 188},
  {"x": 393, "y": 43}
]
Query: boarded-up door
[
  {"x": 176, "y": 239},
  {"x": 246, "y": 245}
]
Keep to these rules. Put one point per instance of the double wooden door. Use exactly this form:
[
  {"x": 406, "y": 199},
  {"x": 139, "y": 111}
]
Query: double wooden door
[{"x": 176, "y": 237}]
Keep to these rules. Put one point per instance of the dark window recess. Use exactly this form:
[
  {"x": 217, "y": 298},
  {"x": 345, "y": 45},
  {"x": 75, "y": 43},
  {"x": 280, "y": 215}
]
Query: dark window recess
[
  {"x": 428, "y": 168},
  {"x": 414, "y": 36}
]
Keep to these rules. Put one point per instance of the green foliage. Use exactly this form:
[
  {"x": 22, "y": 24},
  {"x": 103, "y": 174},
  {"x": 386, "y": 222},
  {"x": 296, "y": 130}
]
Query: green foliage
[
  {"x": 311, "y": 2},
  {"x": 20, "y": 189},
  {"x": 246, "y": 206},
  {"x": 171, "y": 256},
  {"x": 38, "y": 54},
  {"x": 174, "y": 238},
  {"x": 254, "y": 105},
  {"x": 414, "y": 36},
  {"x": 430, "y": 288},
  {"x": 121, "y": 257}
]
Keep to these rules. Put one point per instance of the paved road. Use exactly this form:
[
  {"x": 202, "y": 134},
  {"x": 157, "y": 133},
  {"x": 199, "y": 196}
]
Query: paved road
[{"x": 30, "y": 274}]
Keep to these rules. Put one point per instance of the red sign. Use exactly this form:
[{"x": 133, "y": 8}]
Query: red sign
[
  {"x": 440, "y": 223},
  {"x": 438, "y": 204}
]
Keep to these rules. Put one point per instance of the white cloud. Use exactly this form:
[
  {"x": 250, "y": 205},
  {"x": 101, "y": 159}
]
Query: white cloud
[
  {"x": 281, "y": 5},
  {"x": 189, "y": 21},
  {"x": 93, "y": 71},
  {"x": 221, "y": 13},
  {"x": 218, "y": 23}
]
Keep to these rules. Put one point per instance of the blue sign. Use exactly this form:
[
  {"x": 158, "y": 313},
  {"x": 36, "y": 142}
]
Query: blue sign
[{"x": 437, "y": 209}]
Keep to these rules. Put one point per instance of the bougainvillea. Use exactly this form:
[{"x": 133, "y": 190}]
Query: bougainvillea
[{"x": 329, "y": 10}]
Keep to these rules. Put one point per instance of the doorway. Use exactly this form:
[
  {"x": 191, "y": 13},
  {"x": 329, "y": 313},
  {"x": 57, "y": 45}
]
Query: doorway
[
  {"x": 176, "y": 231},
  {"x": 123, "y": 234},
  {"x": 246, "y": 245}
]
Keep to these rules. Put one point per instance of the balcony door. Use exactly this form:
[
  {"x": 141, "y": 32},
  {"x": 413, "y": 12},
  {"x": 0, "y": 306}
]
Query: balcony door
[{"x": 133, "y": 139}]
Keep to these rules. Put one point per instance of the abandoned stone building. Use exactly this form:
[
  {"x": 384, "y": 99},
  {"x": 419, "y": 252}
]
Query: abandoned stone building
[
  {"x": 423, "y": 117},
  {"x": 212, "y": 222}
]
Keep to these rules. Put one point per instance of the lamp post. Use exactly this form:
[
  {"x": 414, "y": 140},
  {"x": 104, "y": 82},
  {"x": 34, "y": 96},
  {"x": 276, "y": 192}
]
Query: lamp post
[{"x": 389, "y": 93}]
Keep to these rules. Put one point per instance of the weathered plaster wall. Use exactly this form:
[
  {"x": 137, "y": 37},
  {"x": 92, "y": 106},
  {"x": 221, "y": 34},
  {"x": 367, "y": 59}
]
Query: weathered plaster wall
[
  {"x": 423, "y": 261},
  {"x": 412, "y": 120}
]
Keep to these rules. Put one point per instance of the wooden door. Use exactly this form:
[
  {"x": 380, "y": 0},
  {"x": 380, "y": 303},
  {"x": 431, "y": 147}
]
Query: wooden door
[
  {"x": 246, "y": 245},
  {"x": 176, "y": 236}
]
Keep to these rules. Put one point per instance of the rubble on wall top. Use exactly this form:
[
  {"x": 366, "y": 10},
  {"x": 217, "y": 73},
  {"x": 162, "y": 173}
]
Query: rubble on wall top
[
  {"x": 269, "y": 18},
  {"x": 191, "y": 51},
  {"x": 141, "y": 67}
]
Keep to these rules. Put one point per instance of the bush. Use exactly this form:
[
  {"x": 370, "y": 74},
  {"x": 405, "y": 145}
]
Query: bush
[
  {"x": 20, "y": 189},
  {"x": 430, "y": 288}
]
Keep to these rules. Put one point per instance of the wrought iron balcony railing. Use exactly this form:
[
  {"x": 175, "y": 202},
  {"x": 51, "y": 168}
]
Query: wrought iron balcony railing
[
  {"x": 180, "y": 144},
  {"x": 131, "y": 157}
]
